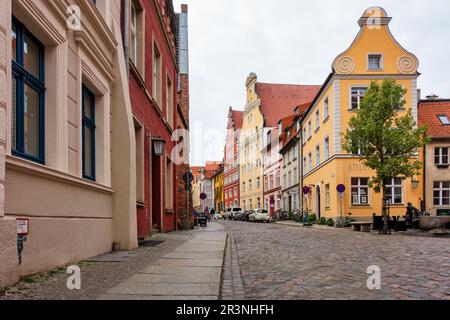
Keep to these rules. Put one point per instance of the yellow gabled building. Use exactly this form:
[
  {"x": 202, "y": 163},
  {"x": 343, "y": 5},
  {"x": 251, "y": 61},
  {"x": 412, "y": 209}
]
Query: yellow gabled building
[{"x": 373, "y": 55}]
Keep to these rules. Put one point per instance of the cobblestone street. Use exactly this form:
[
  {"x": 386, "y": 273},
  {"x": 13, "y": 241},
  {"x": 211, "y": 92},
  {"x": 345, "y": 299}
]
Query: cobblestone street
[{"x": 282, "y": 262}]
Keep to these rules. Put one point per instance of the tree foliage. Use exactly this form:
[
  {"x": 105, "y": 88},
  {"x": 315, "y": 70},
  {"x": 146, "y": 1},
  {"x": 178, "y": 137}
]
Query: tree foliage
[{"x": 387, "y": 141}]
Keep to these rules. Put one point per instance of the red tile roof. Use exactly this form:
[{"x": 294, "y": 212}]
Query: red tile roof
[
  {"x": 429, "y": 110},
  {"x": 238, "y": 117},
  {"x": 196, "y": 170},
  {"x": 279, "y": 100}
]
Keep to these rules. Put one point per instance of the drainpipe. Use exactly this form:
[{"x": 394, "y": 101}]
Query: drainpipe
[
  {"x": 126, "y": 31},
  {"x": 424, "y": 178}
]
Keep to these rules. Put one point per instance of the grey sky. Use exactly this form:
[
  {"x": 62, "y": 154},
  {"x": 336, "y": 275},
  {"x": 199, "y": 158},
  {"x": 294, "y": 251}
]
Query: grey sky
[{"x": 292, "y": 41}]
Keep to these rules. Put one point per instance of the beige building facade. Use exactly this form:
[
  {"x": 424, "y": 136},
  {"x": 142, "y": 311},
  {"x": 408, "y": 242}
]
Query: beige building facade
[{"x": 67, "y": 146}]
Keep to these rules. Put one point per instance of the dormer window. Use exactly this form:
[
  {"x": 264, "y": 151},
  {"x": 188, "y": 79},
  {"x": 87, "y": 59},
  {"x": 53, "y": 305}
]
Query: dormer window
[
  {"x": 444, "y": 119},
  {"x": 375, "y": 61}
]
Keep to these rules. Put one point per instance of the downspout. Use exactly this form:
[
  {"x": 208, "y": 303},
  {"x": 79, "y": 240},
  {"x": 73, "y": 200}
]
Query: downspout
[
  {"x": 424, "y": 179},
  {"x": 126, "y": 31}
]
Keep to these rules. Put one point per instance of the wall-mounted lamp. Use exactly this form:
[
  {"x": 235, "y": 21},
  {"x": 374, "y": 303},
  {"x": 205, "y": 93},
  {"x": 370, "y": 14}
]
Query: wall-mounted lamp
[
  {"x": 158, "y": 146},
  {"x": 414, "y": 182}
]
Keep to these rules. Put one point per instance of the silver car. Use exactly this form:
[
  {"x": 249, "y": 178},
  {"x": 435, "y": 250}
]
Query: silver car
[{"x": 260, "y": 215}]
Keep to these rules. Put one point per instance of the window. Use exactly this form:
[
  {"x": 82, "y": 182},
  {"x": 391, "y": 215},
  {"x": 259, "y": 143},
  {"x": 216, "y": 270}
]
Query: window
[
  {"x": 327, "y": 196},
  {"x": 441, "y": 156},
  {"x": 304, "y": 135},
  {"x": 444, "y": 119},
  {"x": 156, "y": 85},
  {"x": 441, "y": 193},
  {"x": 295, "y": 176},
  {"x": 243, "y": 186},
  {"x": 169, "y": 101},
  {"x": 327, "y": 149},
  {"x": 304, "y": 164},
  {"x": 310, "y": 161},
  {"x": 133, "y": 36},
  {"x": 360, "y": 191},
  {"x": 317, "y": 155},
  {"x": 375, "y": 61},
  {"x": 28, "y": 90},
  {"x": 289, "y": 179},
  {"x": 271, "y": 182},
  {"x": 357, "y": 94},
  {"x": 317, "y": 120},
  {"x": 235, "y": 191},
  {"x": 226, "y": 194},
  {"x": 258, "y": 182},
  {"x": 326, "y": 109},
  {"x": 259, "y": 203},
  {"x": 284, "y": 181},
  {"x": 394, "y": 191},
  {"x": 278, "y": 178},
  {"x": 309, "y": 129},
  {"x": 88, "y": 134},
  {"x": 249, "y": 185}
]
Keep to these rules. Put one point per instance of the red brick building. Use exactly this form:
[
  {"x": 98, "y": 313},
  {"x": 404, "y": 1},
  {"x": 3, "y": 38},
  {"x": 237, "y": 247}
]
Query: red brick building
[
  {"x": 183, "y": 122},
  {"x": 231, "y": 159},
  {"x": 150, "y": 34}
]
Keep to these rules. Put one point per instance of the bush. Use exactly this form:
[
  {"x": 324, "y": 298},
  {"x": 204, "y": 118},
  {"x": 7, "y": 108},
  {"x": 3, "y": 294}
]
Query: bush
[
  {"x": 348, "y": 221},
  {"x": 330, "y": 222},
  {"x": 322, "y": 221},
  {"x": 312, "y": 218}
]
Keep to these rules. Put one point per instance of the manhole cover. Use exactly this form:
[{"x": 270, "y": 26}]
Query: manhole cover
[{"x": 150, "y": 243}]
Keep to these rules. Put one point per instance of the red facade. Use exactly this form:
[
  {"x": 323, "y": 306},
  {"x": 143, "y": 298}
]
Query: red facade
[
  {"x": 231, "y": 187},
  {"x": 154, "y": 211}
]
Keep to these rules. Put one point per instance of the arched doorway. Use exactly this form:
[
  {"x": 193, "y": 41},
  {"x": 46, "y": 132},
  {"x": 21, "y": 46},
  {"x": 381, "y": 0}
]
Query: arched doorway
[{"x": 318, "y": 204}]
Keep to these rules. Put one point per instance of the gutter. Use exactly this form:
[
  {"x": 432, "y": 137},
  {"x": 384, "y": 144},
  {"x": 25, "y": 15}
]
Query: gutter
[{"x": 126, "y": 31}]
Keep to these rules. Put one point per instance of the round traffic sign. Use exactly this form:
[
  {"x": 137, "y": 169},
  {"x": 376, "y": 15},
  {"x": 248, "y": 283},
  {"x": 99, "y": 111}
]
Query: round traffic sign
[
  {"x": 203, "y": 196},
  {"x": 306, "y": 190},
  {"x": 340, "y": 188}
]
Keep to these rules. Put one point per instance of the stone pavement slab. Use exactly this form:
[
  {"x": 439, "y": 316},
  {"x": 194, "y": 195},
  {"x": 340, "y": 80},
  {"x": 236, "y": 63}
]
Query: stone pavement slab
[{"x": 192, "y": 271}]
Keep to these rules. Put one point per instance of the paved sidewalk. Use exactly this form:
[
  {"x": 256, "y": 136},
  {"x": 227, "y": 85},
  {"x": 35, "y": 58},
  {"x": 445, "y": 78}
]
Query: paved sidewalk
[{"x": 193, "y": 271}]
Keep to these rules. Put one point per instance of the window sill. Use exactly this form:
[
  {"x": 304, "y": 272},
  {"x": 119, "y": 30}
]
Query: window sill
[
  {"x": 360, "y": 206},
  {"x": 140, "y": 204},
  {"x": 27, "y": 166},
  {"x": 317, "y": 130},
  {"x": 170, "y": 211},
  {"x": 326, "y": 119},
  {"x": 442, "y": 166}
]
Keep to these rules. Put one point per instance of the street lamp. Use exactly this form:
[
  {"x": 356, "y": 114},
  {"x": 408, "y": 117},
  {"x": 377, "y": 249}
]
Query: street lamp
[{"x": 158, "y": 146}]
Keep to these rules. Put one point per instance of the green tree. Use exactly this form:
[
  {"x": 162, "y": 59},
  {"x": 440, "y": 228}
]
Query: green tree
[{"x": 385, "y": 141}]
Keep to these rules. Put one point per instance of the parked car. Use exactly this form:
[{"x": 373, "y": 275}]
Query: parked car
[
  {"x": 238, "y": 216},
  {"x": 246, "y": 215},
  {"x": 251, "y": 216},
  {"x": 262, "y": 215},
  {"x": 227, "y": 214},
  {"x": 233, "y": 213}
]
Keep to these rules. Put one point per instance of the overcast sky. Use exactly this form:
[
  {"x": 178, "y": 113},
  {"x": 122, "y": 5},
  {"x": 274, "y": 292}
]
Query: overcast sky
[{"x": 293, "y": 41}]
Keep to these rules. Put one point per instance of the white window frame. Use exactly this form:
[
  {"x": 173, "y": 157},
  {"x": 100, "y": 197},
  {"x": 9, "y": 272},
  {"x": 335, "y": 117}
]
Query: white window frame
[
  {"x": 318, "y": 155},
  {"x": 326, "y": 109},
  {"x": 373, "y": 54},
  {"x": 327, "y": 196},
  {"x": 440, "y": 155},
  {"x": 317, "y": 119},
  {"x": 326, "y": 142},
  {"x": 440, "y": 189},
  {"x": 360, "y": 186},
  {"x": 133, "y": 33},
  {"x": 392, "y": 186},
  {"x": 445, "y": 122},
  {"x": 358, "y": 95}
]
